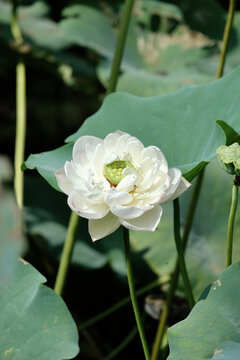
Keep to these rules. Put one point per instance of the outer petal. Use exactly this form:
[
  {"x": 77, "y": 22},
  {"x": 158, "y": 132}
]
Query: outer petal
[
  {"x": 99, "y": 228},
  {"x": 175, "y": 176},
  {"x": 63, "y": 182},
  {"x": 183, "y": 186},
  {"x": 147, "y": 222},
  {"x": 85, "y": 208},
  {"x": 130, "y": 212}
]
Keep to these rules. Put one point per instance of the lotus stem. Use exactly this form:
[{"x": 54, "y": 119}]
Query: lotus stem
[
  {"x": 226, "y": 35},
  {"x": 121, "y": 40},
  {"x": 133, "y": 294},
  {"x": 180, "y": 251},
  {"x": 231, "y": 220},
  {"x": 20, "y": 112},
  {"x": 66, "y": 254}
]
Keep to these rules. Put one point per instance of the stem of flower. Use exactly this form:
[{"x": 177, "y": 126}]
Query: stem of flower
[
  {"x": 133, "y": 294},
  {"x": 118, "y": 54},
  {"x": 66, "y": 254},
  {"x": 226, "y": 36},
  {"x": 123, "y": 302},
  {"x": 180, "y": 251},
  {"x": 231, "y": 223},
  {"x": 20, "y": 112}
]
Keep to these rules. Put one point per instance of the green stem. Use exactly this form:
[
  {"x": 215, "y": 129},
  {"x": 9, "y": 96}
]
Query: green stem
[
  {"x": 20, "y": 113},
  {"x": 20, "y": 131},
  {"x": 231, "y": 223},
  {"x": 123, "y": 29},
  {"x": 174, "y": 280},
  {"x": 122, "y": 303},
  {"x": 133, "y": 294},
  {"x": 180, "y": 251},
  {"x": 226, "y": 36},
  {"x": 123, "y": 344},
  {"x": 66, "y": 254},
  {"x": 164, "y": 315}
]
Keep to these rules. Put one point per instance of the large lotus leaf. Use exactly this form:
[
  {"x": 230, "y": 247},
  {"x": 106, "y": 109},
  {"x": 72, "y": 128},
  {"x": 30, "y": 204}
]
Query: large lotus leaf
[
  {"x": 211, "y": 331},
  {"x": 12, "y": 242},
  {"x": 181, "y": 124},
  {"x": 206, "y": 252},
  {"x": 35, "y": 322}
]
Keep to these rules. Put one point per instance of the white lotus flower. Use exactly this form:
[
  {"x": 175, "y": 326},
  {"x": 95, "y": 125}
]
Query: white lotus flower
[{"x": 118, "y": 181}]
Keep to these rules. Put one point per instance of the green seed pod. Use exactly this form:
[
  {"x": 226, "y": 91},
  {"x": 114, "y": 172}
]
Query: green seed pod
[
  {"x": 229, "y": 156},
  {"x": 113, "y": 172}
]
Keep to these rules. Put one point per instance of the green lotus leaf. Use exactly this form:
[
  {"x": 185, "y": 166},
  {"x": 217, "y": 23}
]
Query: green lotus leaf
[
  {"x": 35, "y": 322},
  {"x": 211, "y": 331}
]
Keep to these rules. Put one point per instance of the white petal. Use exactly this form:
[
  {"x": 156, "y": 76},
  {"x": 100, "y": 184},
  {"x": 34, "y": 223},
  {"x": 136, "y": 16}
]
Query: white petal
[
  {"x": 114, "y": 197},
  {"x": 79, "y": 148},
  {"x": 175, "y": 176},
  {"x": 98, "y": 159},
  {"x": 130, "y": 212},
  {"x": 85, "y": 208},
  {"x": 155, "y": 152},
  {"x": 156, "y": 191},
  {"x": 132, "y": 151},
  {"x": 71, "y": 174},
  {"x": 183, "y": 186},
  {"x": 111, "y": 141},
  {"x": 147, "y": 222},
  {"x": 99, "y": 228},
  {"x": 63, "y": 182}
]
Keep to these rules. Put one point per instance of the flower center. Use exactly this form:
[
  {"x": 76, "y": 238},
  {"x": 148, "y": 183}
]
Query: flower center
[{"x": 113, "y": 172}]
